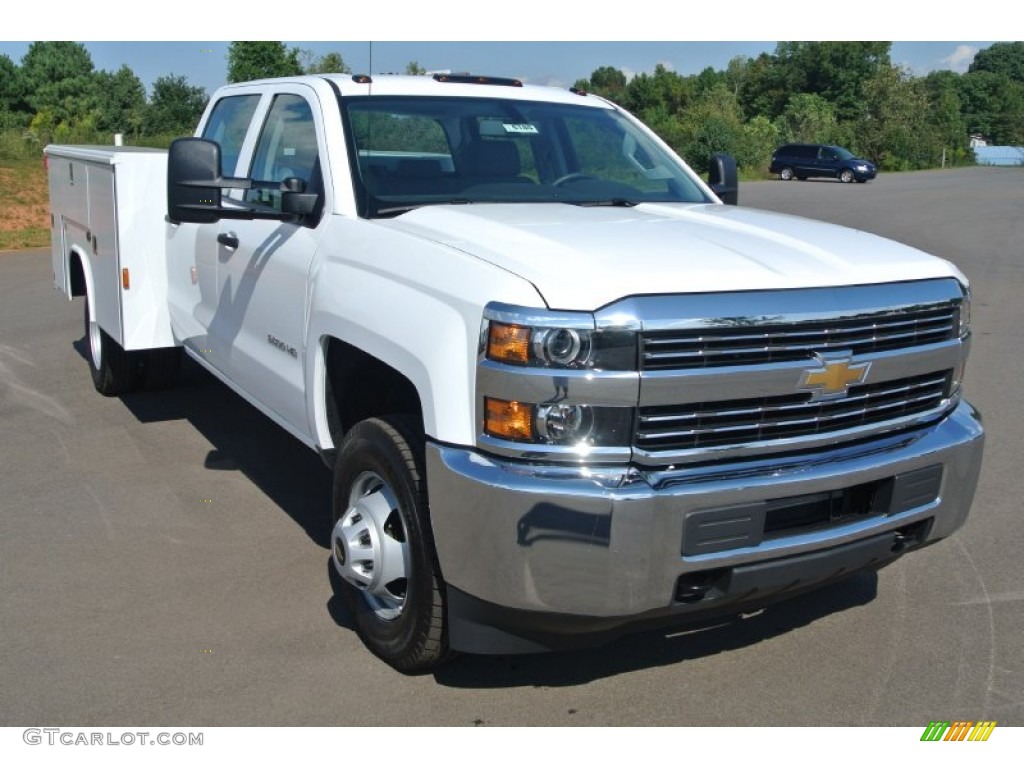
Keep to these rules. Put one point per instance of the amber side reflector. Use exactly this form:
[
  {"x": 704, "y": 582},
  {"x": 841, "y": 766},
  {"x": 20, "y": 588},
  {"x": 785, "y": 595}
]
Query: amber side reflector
[
  {"x": 125, "y": 282},
  {"x": 508, "y": 419},
  {"x": 508, "y": 343}
]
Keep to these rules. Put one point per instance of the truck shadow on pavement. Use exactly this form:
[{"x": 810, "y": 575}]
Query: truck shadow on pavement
[
  {"x": 246, "y": 441},
  {"x": 297, "y": 481}
]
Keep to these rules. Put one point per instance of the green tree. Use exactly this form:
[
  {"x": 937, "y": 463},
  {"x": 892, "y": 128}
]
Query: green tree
[
  {"x": 328, "y": 63},
  {"x": 414, "y": 68},
  {"x": 808, "y": 118},
  {"x": 993, "y": 105},
  {"x": 57, "y": 75},
  {"x": 736, "y": 73},
  {"x": 893, "y": 128},
  {"x": 757, "y": 140},
  {"x": 120, "y": 100},
  {"x": 763, "y": 89},
  {"x": 252, "y": 60},
  {"x": 664, "y": 90},
  {"x": 11, "y": 90},
  {"x": 608, "y": 82},
  {"x": 945, "y": 114},
  {"x": 835, "y": 70},
  {"x": 175, "y": 106},
  {"x": 709, "y": 78},
  {"x": 714, "y": 123},
  {"x": 1001, "y": 59}
]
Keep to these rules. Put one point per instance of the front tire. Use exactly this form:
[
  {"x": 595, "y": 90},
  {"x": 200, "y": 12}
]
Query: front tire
[
  {"x": 382, "y": 546},
  {"x": 846, "y": 175},
  {"x": 786, "y": 174}
]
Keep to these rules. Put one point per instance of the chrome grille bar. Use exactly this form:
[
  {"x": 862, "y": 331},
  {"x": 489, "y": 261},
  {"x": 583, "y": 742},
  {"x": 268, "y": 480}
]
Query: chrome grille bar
[
  {"x": 703, "y": 425},
  {"x": 729, "y": 346}
]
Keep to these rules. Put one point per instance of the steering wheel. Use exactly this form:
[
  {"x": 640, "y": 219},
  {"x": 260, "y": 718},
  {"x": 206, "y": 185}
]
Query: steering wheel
[{"x": 572, "y": 177}]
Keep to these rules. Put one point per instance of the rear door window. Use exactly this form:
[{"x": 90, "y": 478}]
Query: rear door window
[{"x": 228, "y": 124}]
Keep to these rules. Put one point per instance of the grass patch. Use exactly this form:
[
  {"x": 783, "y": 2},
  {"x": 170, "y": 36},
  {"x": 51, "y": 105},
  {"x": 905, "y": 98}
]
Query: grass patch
[
  {"x": 24, "y": 193},
  {"x": 27, "y": 237},
  {"x": 24, "y": 202}
]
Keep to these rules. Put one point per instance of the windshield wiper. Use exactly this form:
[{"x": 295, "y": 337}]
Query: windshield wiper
[
  {"x": 406, "y": 208},
  {"x": 614, "y": 202}
]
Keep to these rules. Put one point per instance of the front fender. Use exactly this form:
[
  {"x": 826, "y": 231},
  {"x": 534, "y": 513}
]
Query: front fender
[{"x": 413, "y": 304}]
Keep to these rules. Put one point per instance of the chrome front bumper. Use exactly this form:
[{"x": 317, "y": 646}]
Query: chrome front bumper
[{"x": 603, "y": 547}]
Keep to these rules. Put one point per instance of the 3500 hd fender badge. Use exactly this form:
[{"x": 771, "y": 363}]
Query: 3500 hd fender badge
[{"x": 281, "y": 345}]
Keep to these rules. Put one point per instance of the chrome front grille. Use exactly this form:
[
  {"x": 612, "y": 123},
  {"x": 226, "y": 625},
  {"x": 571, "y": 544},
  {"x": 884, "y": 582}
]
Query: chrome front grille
[
  {"x": 742, "y": 343},
  {"x": 752, "y": 420}
]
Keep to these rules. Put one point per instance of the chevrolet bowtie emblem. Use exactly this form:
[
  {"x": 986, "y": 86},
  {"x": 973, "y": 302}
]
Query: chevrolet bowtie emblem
[{"x": 833, "y": 377}]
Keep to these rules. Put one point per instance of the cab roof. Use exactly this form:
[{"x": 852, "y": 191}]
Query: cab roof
[{"x": 437, "y": 85}]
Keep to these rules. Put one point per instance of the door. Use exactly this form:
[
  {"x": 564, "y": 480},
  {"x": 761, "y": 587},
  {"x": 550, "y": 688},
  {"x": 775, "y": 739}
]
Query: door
[
  {"x": 259, "y": 323},
  {"x": 192, "y": 249},
  {"x": 829, "y": 162},
  {"x": 806, "y": 161}
]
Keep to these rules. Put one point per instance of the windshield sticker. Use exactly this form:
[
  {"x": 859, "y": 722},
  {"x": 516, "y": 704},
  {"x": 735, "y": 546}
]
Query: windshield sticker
[{"x": 519, "y": 128}]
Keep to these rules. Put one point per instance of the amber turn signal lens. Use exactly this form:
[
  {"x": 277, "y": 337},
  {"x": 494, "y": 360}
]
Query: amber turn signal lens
[
  {"x": 508, "y": 343},
  {"x": 508, "y": 419}
]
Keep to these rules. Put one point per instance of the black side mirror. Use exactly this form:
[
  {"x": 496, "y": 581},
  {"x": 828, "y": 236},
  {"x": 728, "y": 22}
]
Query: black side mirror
[
  {"x": 294, "y": 198},
  {"x": 193, "y": 181},
  {"x": 723, "y": 178},
  {"x": 194, "y": 185}
]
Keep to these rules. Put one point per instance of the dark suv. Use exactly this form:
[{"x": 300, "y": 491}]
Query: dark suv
[{"x": 801, "y": 161}]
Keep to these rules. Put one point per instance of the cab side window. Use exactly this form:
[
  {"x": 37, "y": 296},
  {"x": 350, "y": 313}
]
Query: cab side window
[
  {"x": 227, "y": 125},
  {"x": 286, "y": 149}
]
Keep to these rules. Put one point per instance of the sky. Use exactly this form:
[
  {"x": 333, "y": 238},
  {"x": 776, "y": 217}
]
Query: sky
[
  {"x": 538, "y": 41},
  {"x": 204, "y": 63}
]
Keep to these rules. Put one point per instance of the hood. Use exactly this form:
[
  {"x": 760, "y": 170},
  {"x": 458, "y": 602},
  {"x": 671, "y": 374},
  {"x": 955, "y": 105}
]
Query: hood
[{"x": 583, "y": 258}]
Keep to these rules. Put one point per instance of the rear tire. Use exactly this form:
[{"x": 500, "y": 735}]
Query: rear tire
[
  {"x": 382, "y": 545},
  {"x": 114, "y": 371},
  {"x": 786, "y": 174}
]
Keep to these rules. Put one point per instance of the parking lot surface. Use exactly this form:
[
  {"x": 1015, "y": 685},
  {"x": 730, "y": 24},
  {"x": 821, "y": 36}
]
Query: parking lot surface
[{"x": 163, "y": 556}]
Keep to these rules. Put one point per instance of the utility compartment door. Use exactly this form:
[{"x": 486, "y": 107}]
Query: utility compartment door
[
  {"x": 69, "y": 207},
  {"x": 57, "y": 172},
  {"x": 106, "y": 276}
]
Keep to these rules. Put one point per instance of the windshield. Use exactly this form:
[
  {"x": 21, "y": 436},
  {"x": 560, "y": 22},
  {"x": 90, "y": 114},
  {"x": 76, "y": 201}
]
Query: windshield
[
  {"x": 412, "y": 151},
  {"x": 844, "y": 154}
]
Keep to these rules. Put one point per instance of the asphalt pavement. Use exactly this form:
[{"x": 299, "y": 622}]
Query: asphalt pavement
[{"x": 163, "y": 555}]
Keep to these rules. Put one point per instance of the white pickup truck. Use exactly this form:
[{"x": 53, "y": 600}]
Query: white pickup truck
[{"x": 565, "y": 391}]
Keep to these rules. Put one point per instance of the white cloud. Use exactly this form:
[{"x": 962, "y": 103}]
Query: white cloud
[
  {"x": 668, "y": 65},
  {"x": 960, "y": 58}
]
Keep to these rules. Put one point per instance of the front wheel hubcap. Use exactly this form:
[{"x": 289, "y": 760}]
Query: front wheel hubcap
[{"x": 369, "y": 547}]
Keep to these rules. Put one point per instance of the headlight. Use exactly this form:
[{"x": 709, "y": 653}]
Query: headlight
[
  {"x": 557, "y": 423},
  {"x": 862, "y": 168},
  {"x": 565, "y": 347},
  {"x": 561, "y": 346},
  {"x": 965, "y": 313},
  {"x": 554, "y": 386}
]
